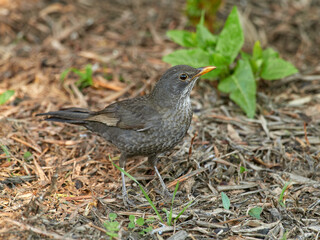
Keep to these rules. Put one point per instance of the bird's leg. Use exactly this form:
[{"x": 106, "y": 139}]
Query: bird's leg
[
  {"x": 122, "y": 163},
  {"x": 153, "y": 161}
]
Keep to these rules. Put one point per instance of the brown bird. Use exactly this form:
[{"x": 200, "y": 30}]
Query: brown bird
[{"x": 146, "y": 125}]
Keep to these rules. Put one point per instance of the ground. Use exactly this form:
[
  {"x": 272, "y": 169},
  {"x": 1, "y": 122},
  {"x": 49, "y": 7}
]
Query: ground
[{"x": 68, "y": 186}]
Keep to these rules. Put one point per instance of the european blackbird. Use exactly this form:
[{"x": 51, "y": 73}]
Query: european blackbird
[{"x": 146, "y": 125}]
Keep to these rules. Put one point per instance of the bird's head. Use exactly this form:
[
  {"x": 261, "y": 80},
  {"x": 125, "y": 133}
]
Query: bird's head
[{"x": 177, "y": 82}]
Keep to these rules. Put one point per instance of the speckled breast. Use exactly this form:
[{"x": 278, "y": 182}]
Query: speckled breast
[{"x": 174, "y": 126}]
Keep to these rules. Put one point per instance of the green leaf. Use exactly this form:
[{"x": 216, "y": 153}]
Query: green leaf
[
  {"x": 131, "y": 225},
  {"x": 4, "y": 97},
  {"x": 221, "y": 62},
  {"x": 112, "y": 216},
  {"x": 112, "y": 234},
  {"x": 276, "y": 68},
  {"x": 169, "y": 220},
  {"x": 192, "y": 57},
  {"x": 150, "y": 220},
  {"x": 183, "y": 210},
  {"x": 285, "y": 187},
  {"x": 245, "y": 56},
  {"x": 132, "y": 218},
  {"x": 225, "y": 201},
  {"x": 205, "y": 39},
  {"x": 242, "y": 86},
  {"x": 243, "y": 169},
  {"x": 6, "y": 151},
  {"x": 27, "y": 155},
  {"x": 269, "y": 53},
  {"x": 113, "y": 226},
  {"x": 64, "y": 74},
  {"x": 148, "y": 229},
  {"x": 257, "y": 51},
  {"x": 231, "y": 37},
  {"x": 183, "y": 38},
  {"x": 140, "y": 221},
  {"x": 255, "y": 212}
]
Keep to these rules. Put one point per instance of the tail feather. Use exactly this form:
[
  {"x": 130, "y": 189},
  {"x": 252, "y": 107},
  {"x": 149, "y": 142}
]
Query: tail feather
[{"x": 68, "y": 115}]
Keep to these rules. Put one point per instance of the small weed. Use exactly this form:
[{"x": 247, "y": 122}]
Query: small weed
[
  {"x": 112, "y": 226},
  {"x": 194, "y": 9},
  {"x": 255, "y": 212},
  {"x": 243, "y": 169},
  {"x": 85, "y": 76},
  {"x": 27, "y": 156},
  {"x": 139, "y": 223},
  {"x": 4, "y": 97},
  {"x": 170, "y": 221},
  {"x": 236, "y": 77},
  {"x": 6, "y": 151},
  {"x": 281, "y": 197},
  {"x": 225, "y": 201}
]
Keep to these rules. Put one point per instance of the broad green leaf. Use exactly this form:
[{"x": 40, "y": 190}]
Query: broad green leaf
[
  {"x": 245, "y": 56},
  {"x": 276, "y": 68},
  {"x": 242, "y": 86},
  {"x": 4, "y": 97},
  {"x": 221, "y": 62},
  {"x": 231, "y": 37},
  {"x": 192, "y": 57},
  {"x": 205, "y": 39},
  {"x": 183, "y": 38},
  {"x": 269, "y": 53},
  {"x": 255, "y": 212},
  {"x": 225, "y": 201}
]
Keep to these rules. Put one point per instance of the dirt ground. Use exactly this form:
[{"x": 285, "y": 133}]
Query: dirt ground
[{"x": 68, "y": 186}]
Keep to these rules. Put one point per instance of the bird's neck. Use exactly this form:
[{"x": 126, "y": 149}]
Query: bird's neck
[{"x": 168, "y": 100}]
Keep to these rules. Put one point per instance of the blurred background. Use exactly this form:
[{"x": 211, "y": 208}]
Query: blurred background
[{"x": 125, "y": 40}]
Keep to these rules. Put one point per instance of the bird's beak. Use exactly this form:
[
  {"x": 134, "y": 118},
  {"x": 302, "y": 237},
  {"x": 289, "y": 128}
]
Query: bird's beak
[{"x": 204, "y": 70}]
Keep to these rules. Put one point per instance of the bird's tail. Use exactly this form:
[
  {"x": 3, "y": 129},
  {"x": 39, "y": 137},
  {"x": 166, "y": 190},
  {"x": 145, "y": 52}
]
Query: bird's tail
[{"x": 68, "y": 115}]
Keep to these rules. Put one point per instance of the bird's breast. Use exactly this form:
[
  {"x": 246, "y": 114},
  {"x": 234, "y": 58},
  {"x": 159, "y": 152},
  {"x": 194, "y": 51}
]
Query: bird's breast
[{"x": 167, "y": 132}]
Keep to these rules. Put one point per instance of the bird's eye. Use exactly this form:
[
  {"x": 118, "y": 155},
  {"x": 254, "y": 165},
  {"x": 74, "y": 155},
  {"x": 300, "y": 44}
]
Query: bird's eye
[{"x": 183, "y": 76}]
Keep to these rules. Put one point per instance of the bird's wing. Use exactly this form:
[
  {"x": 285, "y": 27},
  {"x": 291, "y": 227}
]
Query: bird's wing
[{"x": 132, "y": 115}]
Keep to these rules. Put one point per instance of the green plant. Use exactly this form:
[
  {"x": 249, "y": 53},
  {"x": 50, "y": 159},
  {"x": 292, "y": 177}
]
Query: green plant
[
  {"x": 281, "y": 197},
  {"x": 237, "y": 78},
  {"x": 112, "y": 226},
  {"x": 195, "y": 8},
  {"x": 6, "y": 151},
  {"x": 255, "y": 212},
  {"x": 27, "y": 156},
  {"x": 225, "y": 201},
  {"x": 140, "y": 222},
  {"x": 85, "y": 76},
  {"x": 5, "y": 96},
  {"x": 169, "y": 215},
  {"x": 243, "y": 169}
]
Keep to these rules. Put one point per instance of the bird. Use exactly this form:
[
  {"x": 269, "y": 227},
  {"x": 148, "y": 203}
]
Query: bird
[{"x": 145, "y": 125}]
